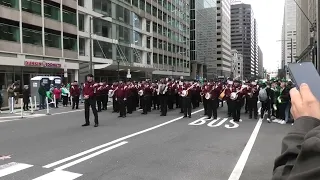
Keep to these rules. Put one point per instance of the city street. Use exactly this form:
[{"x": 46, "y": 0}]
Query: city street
[{"x": 42, "y": 147}]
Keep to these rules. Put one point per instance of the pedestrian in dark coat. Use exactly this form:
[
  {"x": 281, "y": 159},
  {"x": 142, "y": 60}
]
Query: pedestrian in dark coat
[{"x": 25, "y": 97}]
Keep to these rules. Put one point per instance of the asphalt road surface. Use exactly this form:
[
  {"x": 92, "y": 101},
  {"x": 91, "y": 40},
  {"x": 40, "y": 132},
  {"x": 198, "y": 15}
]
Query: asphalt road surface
[{"x": 139, "y": 147}]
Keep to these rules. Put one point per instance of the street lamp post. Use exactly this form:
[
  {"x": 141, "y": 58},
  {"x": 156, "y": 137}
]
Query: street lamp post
[
  {"x": 90, "y": 46},
  {"x": 118, "y": 63}
]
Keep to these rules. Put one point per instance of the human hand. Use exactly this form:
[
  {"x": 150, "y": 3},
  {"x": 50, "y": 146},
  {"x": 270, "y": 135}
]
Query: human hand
[{"x": 304, "y": 103}]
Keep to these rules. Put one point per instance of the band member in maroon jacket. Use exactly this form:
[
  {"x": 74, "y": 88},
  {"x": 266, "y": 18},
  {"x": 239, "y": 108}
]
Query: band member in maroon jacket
[
  {"x": 105, "y": 95},
  {"x": 186, "y": 100},
  {"x": 213, "y": 101},
  {"x": 130, "y": 97},
  {"x": 75, "y": 94},
  {"x": 141, "y": 100},
  {"x": 99, "y": 95},
  {"x": 236, "y": 103},
  {"x": 89, "y": 89},
  {"x": 227, "y": 98},
  {"x": 180, "y": 89},
  {"x": 147, "y": 98},
  {"x": 253, "y": 93},
  {"x": 114, "y": 87},
  {"x": 205, "y": 89},
  {"x": 155, "y": 97},
  {"x": 121, "y": 98}
]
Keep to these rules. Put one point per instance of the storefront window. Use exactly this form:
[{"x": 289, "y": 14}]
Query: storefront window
[
  {"x": 102, "y": 49},
  {"x": 32, "y": 36},
  {"x": 10, "y": 3},
  {"x": 53, "y": 40},
  {"x": 31, "y": 6},
  {"x": 102, "y": 27},
  {"x": 69, "y": 17},
  {"x": 70, "y": 43},
  {"x": 52, "y": 12},
  {"x": 9, "y": 32}
]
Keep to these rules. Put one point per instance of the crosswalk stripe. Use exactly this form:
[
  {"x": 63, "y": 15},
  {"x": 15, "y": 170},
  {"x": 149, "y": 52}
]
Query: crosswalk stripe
[
  {"x": 65, "y": 175},
  {"x": 12, "y": 167}
]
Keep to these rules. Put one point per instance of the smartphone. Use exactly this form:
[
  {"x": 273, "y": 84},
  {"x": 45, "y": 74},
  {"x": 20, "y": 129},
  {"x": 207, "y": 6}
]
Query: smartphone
[{"x": 305, "y": 72}]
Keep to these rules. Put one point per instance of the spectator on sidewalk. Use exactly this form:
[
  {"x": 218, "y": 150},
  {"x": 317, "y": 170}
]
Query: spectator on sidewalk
[
  {"x": 65, "y": 95},
  {"x": 42, "y": 95},
  {"x": 299, "y": 159},
  {"x": 57, "y": 95},
  {"x": 10, "y": 91},
  {"x": 26, "y": 96}
]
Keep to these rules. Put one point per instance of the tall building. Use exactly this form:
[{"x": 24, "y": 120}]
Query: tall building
[
  {"x": 255, "y": 60},
  {"x": 223, "y": 43},
  {"x": 237, "y": 65},
  {"x": 243, "y": 36},
  {"x": 260, "y": 63},
  {"x": 288, "y": 33},
  {"x": 51, "y": 37},
  {"x": 203, "y": 37},
  {"x": 306, "y": 22}
]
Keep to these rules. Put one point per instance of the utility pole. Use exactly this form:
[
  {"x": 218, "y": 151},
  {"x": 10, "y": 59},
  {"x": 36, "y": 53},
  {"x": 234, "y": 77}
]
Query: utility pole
[
  {"x": 90, "y": 46},
  {"x": 118, "y": 62}
]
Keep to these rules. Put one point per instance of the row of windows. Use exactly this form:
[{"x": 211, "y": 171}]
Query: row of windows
[
  {"x": 50, "y": 11},
  {"x": 163, "y": 45},
  {"x": 171, "y": 61},
  {"x": 31, "y": 36}
]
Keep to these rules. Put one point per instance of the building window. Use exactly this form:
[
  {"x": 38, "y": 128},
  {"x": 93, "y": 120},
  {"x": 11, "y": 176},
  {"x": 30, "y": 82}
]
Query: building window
[
  {"x": 148, "y": 8},
  {"x": 81, "y": 3},
  {"x": 123, "y": 14},
  {"x": 102, "y": 27},
  {"x": 123, "y": 34},
  {"x": 155, "y": 58},
  {"x": 70, "y": 43},
  {"x": 52, "y": 12},
  {"x": 155, "y": 42},
  {"x": 148, "y": 26},
  {"x": 32, "y": 36},
  {"x": 154, "y": 27},
  {"x": 137, "y": 22},
  {"x": 148, "y": 42},
  {"x": 82, "y": 46},
  {"x": 32, "y": 6},
  {"x": 142, "y": 4},
  {"x": 9, "y": 32},
  {"x": 137, "y": 54},
  {"x": 10, "y": 3},
  {"x": 69, "y": 17},
  {"x": 125, "y": 53},
  {"x": 137, "y": 38},
  {"x": 81, "y": 22},
  {"x": 102, "y": 49},
  {"x": 135, "y": 3},
  {"x": 148, "y": 58},
  {"x": 53, "y": 40},
  {"x": 102, "y": 6},
  {"x": 154, "y": 11}
]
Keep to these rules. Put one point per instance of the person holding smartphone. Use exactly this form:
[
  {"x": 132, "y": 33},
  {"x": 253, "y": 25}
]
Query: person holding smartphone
[{"x": 299, "y": 159}]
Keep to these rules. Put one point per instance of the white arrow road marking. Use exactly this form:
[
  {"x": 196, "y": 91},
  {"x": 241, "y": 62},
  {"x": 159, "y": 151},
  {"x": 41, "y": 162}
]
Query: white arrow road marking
[
  {"x": 115, "y": 141},
  {"x": 65, "y": 175},
  {"x": 237, "y": 171},
  {"x": 90, "y": 156},
  {"x": 12, "y": 167}
]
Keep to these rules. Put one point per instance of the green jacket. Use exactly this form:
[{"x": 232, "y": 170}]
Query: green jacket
[
  {"x": 49, "y": 94},
  {"x": 42, "y": 91}
]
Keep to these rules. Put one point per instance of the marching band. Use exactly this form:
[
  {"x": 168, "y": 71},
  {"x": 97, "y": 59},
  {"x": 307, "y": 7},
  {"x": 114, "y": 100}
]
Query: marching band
[{"x": 163, "y": 94}]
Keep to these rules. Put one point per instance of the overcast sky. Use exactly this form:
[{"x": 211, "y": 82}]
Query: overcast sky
[{"x": 269, "y": 15}]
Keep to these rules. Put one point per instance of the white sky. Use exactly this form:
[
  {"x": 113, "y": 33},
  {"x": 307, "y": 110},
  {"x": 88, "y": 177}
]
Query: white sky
[{"x": 269, "y": 15}]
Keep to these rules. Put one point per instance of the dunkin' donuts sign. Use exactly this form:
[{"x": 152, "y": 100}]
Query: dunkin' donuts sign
[{"x": 42, "y": 64}]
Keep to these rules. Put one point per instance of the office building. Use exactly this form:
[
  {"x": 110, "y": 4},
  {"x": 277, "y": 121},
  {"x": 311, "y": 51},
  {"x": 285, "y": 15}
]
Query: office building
[
  {"x": 203, "y": 36},
  {"x": 52, "y": 37},
  {"x": 307, "y": 33},
  {"x": 243, "y": 35},
  {"x": 223, "y": 43},
  {"x": 260, "y": 63},
  {"x": 255, "y": 60},
  {"x": 237, "y": 65},
  {"x": 289, "y": 33}
]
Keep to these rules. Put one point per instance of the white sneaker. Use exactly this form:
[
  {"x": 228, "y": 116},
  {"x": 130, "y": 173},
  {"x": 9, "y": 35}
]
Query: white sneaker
[
  {"x": 240, "y": 120},
  {"x": 282, "y": 122},
  {"x": 276, "y": 120},
  {"x": 269, "y": 121}
]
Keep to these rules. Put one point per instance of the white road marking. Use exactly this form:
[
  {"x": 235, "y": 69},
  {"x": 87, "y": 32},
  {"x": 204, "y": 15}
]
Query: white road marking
[
  {"x": 237, "y": 171},
  {"x": 90, "y": 156},
  {"x": 114, "y": 141},
  {"x": 65, "y": 175},
  {"x": 12, "y": 167}
]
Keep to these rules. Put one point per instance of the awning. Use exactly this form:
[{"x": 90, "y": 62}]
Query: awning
[{"x": 134, "y": 67}]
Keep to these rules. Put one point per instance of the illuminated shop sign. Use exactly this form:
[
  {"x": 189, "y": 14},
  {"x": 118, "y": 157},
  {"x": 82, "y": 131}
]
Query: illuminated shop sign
[{"x": 42, "y": 64}]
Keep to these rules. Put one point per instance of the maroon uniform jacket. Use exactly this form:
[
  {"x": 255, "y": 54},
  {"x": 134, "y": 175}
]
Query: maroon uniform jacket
[
  {"x": 89, "y": 89},
  {"x": 121, "y": 93},
  {"x": 75, "y": 90},
  {"x": 99, "y": 90}
]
